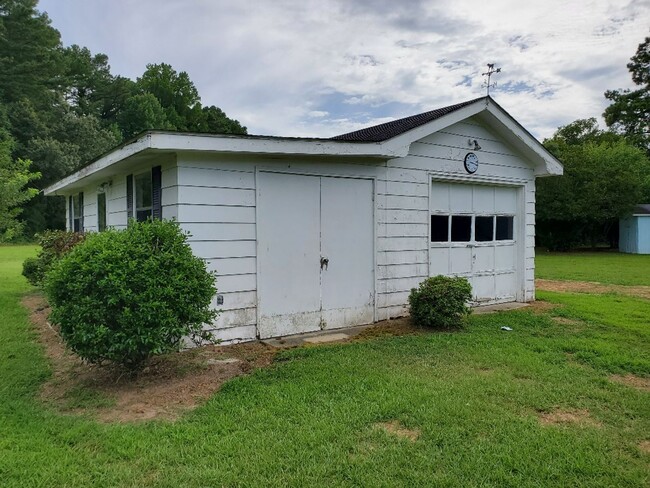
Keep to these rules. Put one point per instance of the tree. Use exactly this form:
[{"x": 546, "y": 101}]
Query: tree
[
  {"x": 29, "y": 53},
  {"x": 181, "y": 103},
  {"x": 604, "y": 178},
  {"x": 142, "y": 112},
  {"x": 62, "y": 107},
  {"x": 629, "y": 112},
  {"x": 14, "y": 177}
]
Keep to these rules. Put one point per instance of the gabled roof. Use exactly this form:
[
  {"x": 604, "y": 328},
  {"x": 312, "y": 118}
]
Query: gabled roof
[
  {"x": 381, "y": 142},
  {"x": 388, "y": 130}
]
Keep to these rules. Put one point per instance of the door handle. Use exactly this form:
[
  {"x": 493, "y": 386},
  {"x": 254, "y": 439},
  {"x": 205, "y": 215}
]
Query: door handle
[{"x": 324, "y": 263}]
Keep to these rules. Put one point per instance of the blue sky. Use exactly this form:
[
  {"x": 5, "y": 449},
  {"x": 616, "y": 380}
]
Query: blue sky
[{"x": 324, "y": 67}]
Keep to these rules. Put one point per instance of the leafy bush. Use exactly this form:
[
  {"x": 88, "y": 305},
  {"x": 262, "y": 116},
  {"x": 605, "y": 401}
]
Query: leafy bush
[
  {"x": 123, "y": 296},
  {"x": 54, "y": 244},
  {"x": 440, "y": 301}
]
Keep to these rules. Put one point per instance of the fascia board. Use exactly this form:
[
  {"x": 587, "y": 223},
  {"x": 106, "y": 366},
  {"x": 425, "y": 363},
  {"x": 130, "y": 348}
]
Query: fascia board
[
  {"x": 105, "y": 161},
  {"x": 184, "y": 142},
  {"x": 550, "y": 164}
]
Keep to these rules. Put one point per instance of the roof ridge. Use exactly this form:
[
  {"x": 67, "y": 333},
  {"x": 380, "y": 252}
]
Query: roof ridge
[{"x": 388, "y": 130}]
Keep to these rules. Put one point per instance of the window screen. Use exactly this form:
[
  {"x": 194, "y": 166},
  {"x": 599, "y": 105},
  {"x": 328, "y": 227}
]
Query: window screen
[
  {"x": 505, "y": 228},
  {"x": 461, "y": 228},
  {"x": 439, "y": 228},
  {"x": 483, "y": 229}
]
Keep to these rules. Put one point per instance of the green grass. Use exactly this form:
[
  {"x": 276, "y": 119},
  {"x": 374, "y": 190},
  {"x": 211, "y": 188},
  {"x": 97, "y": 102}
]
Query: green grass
[
  {"x": 604, "y": 267},
  {"x": 310, "y": 420}
]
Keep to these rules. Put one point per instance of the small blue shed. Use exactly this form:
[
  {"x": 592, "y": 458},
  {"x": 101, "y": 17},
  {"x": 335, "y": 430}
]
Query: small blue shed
[{"x": 634, "y": 231}]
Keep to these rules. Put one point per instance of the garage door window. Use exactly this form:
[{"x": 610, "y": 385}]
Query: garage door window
[
  {"x": 468, "y": 228},
  {"x": 461, "y": 228},
  {"x": 505, "y": 228},
  {"x": 439, "y": 228},
  {"x": 484, "y": 229}
]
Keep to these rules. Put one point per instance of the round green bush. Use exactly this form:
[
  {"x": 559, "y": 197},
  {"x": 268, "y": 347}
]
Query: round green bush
[
  {"x": 441, "y": 302},
  {"x": 123, "y": 296}
]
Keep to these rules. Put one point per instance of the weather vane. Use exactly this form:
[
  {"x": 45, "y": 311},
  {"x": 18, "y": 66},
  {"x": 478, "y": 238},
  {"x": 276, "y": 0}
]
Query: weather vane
[{"x": 491, "y": 70}]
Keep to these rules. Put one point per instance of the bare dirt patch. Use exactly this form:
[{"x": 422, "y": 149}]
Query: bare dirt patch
[
  {"x": 387, "y": 328},
  {"x": 395, "y": 427},
  {"x": 567, "y": 417},
  {"x": 168, "y": 386},
  {"x": 644, "y": 446},
  {"x": 592, "y": 287},
  {"x": 632, "y": 381}
]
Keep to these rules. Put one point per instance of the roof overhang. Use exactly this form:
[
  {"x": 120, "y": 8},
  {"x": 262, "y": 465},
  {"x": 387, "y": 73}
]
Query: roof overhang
[{"x": 154, "y": 142}]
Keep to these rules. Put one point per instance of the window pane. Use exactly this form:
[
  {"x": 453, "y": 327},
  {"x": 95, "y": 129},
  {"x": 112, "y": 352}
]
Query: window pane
[
  {"x": 461, "y": 228},
  {"x": 483, "y": 227},
  {"x": 143, "y": 191},
  {"x": 76, "y": 206},
  {"x": 439, "y": 228},
  {"x": 101, "y": 211},
  {"x": 505, "y": 228}
]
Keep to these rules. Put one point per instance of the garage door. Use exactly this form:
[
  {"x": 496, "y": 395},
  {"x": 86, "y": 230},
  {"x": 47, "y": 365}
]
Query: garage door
[
  {"x": 315, "y": 252},
  {"x": 473, "y": 234}
]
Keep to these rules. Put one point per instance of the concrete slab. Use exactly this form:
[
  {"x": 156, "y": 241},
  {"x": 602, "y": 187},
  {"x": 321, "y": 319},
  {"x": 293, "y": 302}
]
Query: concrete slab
[
  {"x": 326, "y": 338},
  {"x": 318, "y": 337},
  {"x": 223, "y": 361}
]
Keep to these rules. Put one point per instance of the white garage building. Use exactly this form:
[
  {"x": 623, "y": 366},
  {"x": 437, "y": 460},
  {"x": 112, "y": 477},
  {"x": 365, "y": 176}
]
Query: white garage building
[{"x": 309, "y": 234}]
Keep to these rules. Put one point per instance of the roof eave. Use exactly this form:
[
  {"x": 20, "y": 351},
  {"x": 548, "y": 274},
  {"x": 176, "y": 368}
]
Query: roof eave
[{"x": 170, "y": 141}]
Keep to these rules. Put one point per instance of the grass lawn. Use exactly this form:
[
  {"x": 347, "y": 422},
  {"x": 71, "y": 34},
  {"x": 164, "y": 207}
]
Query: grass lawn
[
  {"x": 533, "y": 407},
  {"x": 605, "y": 267}
]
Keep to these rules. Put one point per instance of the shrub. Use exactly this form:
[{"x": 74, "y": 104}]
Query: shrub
[
  {"x": 123, "y": 296},
  {"x": 440, "y": 301},
  {"x": 54, "y": 244}
]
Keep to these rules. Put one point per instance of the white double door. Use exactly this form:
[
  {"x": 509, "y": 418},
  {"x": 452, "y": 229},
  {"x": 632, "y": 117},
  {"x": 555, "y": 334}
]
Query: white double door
[{"x": 315, "y": 255}]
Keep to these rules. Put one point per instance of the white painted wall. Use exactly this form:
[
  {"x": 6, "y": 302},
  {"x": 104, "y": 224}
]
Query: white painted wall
[{"x": 214, "y": 197}]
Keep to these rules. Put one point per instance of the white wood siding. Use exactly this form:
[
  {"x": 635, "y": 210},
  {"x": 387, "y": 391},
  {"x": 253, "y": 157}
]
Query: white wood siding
[
  {"x": 216, "y": 203},
  {"x": 214, "y": 197}
]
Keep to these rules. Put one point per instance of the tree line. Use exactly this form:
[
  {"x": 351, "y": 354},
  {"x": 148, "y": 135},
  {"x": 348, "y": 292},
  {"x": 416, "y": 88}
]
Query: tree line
[
  {"x": 60, "y": 106},
  {"x": 606, "y": 172}
]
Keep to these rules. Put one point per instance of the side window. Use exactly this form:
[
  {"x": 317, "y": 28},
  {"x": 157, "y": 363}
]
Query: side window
[
  {"x": 76, "y": 203},
  {"x": 143, "y": 195},
  {"x": 143, "y": 201},
  {"x": 101, "y": 212}
]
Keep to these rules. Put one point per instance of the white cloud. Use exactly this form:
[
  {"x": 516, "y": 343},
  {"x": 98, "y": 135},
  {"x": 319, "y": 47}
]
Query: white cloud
[{"x": 323, "y": 67}]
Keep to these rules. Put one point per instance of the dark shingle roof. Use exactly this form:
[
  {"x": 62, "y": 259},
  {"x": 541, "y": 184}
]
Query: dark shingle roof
[
  {"x": 388, "y": 130},
  {"x": 643, "y": 209}
]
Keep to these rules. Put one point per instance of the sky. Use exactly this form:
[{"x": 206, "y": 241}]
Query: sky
[{"x": 325, "y": 67}]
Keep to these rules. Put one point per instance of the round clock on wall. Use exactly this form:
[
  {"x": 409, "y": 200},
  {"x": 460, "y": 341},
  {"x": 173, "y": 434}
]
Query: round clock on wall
[{"x": 471, "y": 163}]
